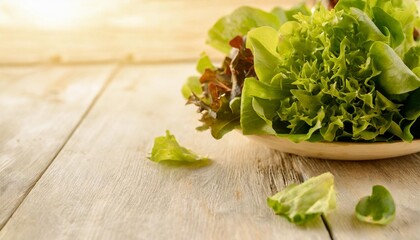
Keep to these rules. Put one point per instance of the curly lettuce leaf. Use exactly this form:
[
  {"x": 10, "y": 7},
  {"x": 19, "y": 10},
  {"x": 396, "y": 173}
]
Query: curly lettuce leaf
[
  {"x": 349, "y": 74},
  {"x": 339, "y": 80},
  {"x": 379, "y": 208},
  {"x": 304, "y": 202},
  {"x": 285, "y": 15},
  {"x": 166, "y": 149}
]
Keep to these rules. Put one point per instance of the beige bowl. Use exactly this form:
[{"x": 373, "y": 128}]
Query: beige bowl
[{"x": 340, "y": 150}]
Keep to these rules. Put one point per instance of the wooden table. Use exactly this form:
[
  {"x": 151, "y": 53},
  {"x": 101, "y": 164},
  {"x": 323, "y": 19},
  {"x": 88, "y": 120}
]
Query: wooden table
[{"x": 74, "y": 141}]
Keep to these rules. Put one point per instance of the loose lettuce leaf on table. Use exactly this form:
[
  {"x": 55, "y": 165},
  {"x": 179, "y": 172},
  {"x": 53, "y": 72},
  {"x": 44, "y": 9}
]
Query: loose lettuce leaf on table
[
  {"x": 167, "y": 149},
  {"x": 304, "y": 202},
  {"x": 379, "y": 208}
]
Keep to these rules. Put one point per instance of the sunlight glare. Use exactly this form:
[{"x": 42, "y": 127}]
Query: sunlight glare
[{"x": 52, "y": 13}]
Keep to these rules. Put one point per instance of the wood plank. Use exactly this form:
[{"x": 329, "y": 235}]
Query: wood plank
[
  {"x": 146, "y": 30},
  {"x": 102, "y": 186},
  {"x": 354, "y": 180},
  {"x": 39, "y": 108}
]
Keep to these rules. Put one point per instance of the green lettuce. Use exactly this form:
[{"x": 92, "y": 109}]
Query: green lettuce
[
  {"x": 239, "y": 23},
  {"x": 379, "y": 208},
  {"x": 396, "y": 19},
  {"x": 341, "y": 78},
  {"x": 244, "y": 19},
  {"x": 166, "y": 149},
  {"x": 304, "y": 202},
  {"x": 351, "y": 73}
]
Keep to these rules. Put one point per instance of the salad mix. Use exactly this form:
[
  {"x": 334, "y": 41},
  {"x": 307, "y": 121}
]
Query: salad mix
[{"x": 347, "y": 72}]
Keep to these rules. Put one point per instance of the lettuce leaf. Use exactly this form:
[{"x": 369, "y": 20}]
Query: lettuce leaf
[
  {"x": 347, "y": 74},
  {"x": 396, "y": 19},
  {"x": 396, "y": 77},
  {"x": 244, "y": 19},
  {"x": 285, "y": 15},
  {"x": 379, "y": 208},
  {"x": 239, "y": 23},
  {"x": 191, "y": 87},
  {"x": 341, "y": 79},
  {"x": 304, "y": 202},
  {"x": 167, "y": 149}
]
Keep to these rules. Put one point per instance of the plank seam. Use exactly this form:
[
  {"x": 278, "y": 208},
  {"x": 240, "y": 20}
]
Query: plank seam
[
  {"x": 327, "y": 226},
  {"x": 84, "y": 115},
  {"x": 302, "y": 178}
]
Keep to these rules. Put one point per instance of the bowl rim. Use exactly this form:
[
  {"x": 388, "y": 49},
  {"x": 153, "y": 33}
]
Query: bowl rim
[{"x": 339, "y": 150}]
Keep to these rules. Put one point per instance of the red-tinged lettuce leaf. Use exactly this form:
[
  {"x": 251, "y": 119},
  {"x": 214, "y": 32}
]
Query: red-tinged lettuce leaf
[
  {"x": 221, "y": 89},
  {"x": 224, "y": 120},
  {"x": 348, "y": 74}
]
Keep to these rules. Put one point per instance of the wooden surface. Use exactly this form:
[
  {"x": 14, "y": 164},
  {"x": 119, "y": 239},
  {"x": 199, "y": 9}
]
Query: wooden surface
[
  {"x": 146, "y": 31},
  {"x": 101, "y": 185},
  {"x": 78, "y": 116},
  {"x": 40, "y": 107}
]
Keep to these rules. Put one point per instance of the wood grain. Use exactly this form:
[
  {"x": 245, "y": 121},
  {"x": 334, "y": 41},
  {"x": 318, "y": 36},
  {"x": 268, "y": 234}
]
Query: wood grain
[
  {"x": 147, "y": 31},
  {"x": 39, "y": 108},
  {"x": 354, "y": 180},
  {"x": 102, "y": 186}
]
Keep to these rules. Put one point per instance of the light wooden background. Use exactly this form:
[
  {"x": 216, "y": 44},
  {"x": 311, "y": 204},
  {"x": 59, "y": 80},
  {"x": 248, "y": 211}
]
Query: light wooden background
[
  {"x": 78, "y": 115},
  {"x": 165, "y": 30}
]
